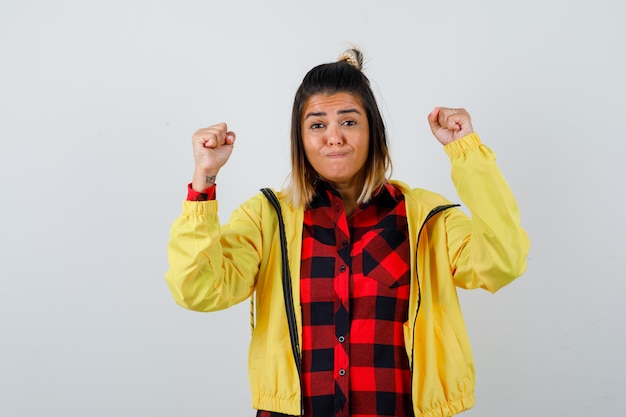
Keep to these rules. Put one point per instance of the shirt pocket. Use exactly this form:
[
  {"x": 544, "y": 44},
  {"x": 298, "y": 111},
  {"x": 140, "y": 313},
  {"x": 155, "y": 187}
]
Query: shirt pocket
[{"x": 385, "y": 257}]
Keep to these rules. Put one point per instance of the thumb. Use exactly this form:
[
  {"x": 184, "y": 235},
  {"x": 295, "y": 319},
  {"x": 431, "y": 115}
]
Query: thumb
[
  {"x": 433, "y": 119},
  {"x": 230, "y": 138}
]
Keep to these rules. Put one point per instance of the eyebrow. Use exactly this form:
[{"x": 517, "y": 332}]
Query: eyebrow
[{"x": 321, "y": 113}]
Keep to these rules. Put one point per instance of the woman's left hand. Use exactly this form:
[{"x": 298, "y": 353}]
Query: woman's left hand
[{"x": 449, "y": 124}]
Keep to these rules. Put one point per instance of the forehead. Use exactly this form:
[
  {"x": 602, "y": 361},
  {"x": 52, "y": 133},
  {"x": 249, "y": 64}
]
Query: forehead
[{"x": 329, "y": 103}]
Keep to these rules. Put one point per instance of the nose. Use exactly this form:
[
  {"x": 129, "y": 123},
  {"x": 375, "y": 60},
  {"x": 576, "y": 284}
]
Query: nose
[{"x": 334, "y": 136}]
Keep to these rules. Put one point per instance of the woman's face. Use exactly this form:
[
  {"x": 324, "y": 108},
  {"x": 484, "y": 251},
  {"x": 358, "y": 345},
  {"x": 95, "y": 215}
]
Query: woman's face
[{"x": 335, "y": 135}]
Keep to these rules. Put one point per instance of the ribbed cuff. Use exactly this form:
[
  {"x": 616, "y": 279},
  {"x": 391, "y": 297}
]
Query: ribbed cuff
[{"x": 462, "y": 145}]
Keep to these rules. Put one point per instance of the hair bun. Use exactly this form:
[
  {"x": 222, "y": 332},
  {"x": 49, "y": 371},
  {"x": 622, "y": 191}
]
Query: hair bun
[{"x": 353, "y": 57}]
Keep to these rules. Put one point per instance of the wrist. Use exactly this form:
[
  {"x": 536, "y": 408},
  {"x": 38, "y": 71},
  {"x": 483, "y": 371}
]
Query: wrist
[{"x": 203, "y": 180}]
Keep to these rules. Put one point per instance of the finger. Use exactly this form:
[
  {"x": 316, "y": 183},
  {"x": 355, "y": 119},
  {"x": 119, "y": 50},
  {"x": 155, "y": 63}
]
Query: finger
[
  {"x": 453, "y": 122},
  {"x": 224, "y": 138},
  {"x": 212, "y": 139},
  {"x": 217, "y": 135},
  {"x": 450, "y": 118},
  {"x": 212, "y": 136}
]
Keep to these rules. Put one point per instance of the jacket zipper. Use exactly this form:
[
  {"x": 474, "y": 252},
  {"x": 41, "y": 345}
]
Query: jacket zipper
[
  {"x": 287, "y": 289},
  {"x": 430, "y": 215}
]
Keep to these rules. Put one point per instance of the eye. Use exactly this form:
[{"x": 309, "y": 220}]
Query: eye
[
  {"x": 315, "y": 126},
  {"x": 349, "y": 123}
]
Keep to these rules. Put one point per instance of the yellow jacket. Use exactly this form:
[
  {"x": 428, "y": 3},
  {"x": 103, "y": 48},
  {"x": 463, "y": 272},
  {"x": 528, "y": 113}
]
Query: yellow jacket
[{"x": 213, "y": 267}]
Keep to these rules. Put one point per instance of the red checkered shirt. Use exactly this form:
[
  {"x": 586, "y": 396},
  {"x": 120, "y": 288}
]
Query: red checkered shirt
[{"x": 354, "y": 289}]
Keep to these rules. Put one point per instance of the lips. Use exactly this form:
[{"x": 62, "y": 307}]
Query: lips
[{"x": 336, "y": 155}]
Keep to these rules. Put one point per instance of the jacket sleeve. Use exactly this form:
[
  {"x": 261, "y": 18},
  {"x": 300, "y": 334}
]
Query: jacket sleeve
[
  {"x": 212, "y": 267},
  {"x": 489, "y": 249}
]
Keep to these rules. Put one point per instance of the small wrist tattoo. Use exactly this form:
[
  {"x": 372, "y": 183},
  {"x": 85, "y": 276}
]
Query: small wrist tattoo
[{"x": 210, "y": 179}]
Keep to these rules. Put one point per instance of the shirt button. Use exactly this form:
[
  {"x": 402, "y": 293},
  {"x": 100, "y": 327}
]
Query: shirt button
[
  {"x": 342, "y": 268},
  {"x": 341, "y": 339},
  {"x": 342, "y": 372},
  {"x": 344, "y": 243}
]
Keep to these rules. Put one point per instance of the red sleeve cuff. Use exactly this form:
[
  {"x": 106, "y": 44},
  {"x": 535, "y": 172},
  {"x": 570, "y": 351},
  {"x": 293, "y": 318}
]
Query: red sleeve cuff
[{"x": 206, "y": 194}]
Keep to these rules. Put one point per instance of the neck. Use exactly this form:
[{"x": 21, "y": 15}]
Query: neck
[{"x": 349, "y": 194}]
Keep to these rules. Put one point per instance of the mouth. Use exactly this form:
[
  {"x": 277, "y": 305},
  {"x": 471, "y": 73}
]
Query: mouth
[{"x": 336, "y": 155}]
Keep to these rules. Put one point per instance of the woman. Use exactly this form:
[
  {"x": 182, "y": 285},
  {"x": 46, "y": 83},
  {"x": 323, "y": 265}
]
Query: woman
[{"x": 376, "y": 327}]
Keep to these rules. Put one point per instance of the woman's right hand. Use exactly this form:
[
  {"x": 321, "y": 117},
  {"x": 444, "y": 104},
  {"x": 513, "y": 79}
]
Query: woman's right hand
[{"x": 212, "y": 147}]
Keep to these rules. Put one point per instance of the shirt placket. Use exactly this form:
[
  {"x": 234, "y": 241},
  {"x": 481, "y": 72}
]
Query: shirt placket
[{"x": 342, "y": 310}]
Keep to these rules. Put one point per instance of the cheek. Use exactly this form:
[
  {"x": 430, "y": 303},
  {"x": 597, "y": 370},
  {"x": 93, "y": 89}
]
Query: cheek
[
  {"x": 312, "y": 144},
  {"x": 365, "y": 146}
]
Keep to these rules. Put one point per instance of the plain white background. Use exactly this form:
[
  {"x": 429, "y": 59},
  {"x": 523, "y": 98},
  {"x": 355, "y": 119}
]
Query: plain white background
[{"x": 98, "y": 101}]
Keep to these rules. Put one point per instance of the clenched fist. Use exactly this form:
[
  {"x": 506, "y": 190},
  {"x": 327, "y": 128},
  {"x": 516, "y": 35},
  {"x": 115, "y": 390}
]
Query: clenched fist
[
  {"x": 449, "y": 125},
  {"x": 212, "y": 147}
]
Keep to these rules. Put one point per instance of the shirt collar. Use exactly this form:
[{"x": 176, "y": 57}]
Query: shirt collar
[{"x": 388, "y": 194}]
